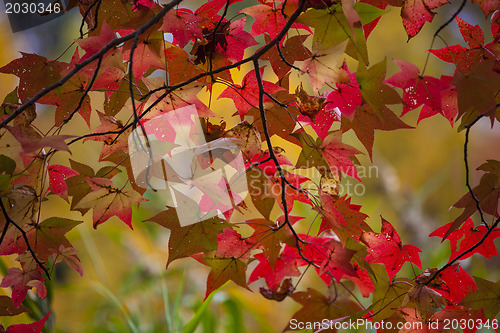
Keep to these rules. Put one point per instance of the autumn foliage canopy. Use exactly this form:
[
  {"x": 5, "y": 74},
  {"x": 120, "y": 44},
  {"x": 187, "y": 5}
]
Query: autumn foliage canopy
[{"x": 137, "y": 61}]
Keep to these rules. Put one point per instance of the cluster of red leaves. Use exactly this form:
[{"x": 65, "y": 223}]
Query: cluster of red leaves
[{"x": 204, "y": 47}]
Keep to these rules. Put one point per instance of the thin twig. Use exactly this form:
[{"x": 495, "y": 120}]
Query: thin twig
[
  {"x": 137, "y": 121},
  {"x": 469, "y": 250},
  {"x": 490, "y": 228},
  {"x": 170, "y": 89},
  {"x": 253, "y": 57},
  {"x": 286, "y": 61},
  {"x": 467, "y": 171},
  {"x": 86, "y": 13},
  {"x": 86, "y": 92},
  {"x": 462, "y": 5},
  {"x": 287, "y": 222},
  {"x": 9, "y": 221},
  {"x": 78, "y": 67}
]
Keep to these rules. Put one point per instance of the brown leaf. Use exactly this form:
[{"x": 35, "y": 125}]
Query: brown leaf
[{"x": 249, "y": 138}]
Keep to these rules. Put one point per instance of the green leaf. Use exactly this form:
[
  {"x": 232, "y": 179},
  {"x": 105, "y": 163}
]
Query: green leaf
[
  {"x": 330, "y": 26},
  {"x": 190, "y": 239},
  {"x": 487, "y": 297},
  {"x": 388, "y": 295},
  {"x": 7, "y": 165},
  {"x": 311, "y": 154},
  {"x": 374, "y": 91},
  {"x": 368, "y": 13}
]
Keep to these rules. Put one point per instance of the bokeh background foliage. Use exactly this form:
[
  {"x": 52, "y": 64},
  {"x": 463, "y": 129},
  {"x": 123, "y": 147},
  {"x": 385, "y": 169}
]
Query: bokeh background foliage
[{"x": 125, "y": 288}]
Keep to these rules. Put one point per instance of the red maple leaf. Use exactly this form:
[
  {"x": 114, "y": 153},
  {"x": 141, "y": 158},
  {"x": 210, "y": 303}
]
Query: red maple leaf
[
  {"x": 487, "y": 6},
  {"x": 223, "y": 269},
  {"x": 337, "y": 264},
  {"x": 94, "y": 44},
  {"x": 143, "y": 3},
  {"x": 271, "y": 235},
  {"x": 228, "y": 262},
  {"x": 108, "y": 200},
  {"x": 111, "y": 142},
  {"x": 284, "y": 266},
  {"x": 416, "y": 12},
  {"x": 223, "y": 44},
  {"x": 449, "y": 104},
  {"x": 338, "y": 154},
  {"x": 149, "y": 53},
  {"x": 291, "y": 194},
  {"x": 35, "y": 73},
  {"x": 211, "y": 8},
  {"x": 292, "y": 50},
  {"x": 465, "y": 58},
  {"x": 231, "y": 244},
  {"x": 418, "y": 90},
  {"x": 238, "y": 40},
  {"x": 471, "y": 235},
  {"x": 57, "y": 174},
  {"x": 183, "y": 25},
  {"x": 268, "y": 19},
  {"x": 246, "y": 95},
  {"x": 68, "y": 255},
  {"x": 362, "y": 281},
  {"x": 269, "y": 167},
  {"x": 344, "y": 218},
  {"x": 386, "y": 248},
  {"x": 22, "y": 281},
  {"x": 347, "y": 97},
  {"x": 495, "y": 24},
  {"x": 35, "y": 327},
  {"x": 333, "y": 260},
  {"x": 45, "y": 238},
  {"x": 315, "y": 249},
  {"x": 456, "y": 284}
]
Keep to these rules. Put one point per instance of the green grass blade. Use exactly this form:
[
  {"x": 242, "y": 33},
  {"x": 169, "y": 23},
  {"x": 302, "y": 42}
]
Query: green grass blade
[
  {"x": 191, "y": 326},
  {"x": 178, "y": 298},
  {"x": 235, "y": 323},
  {"x": 104, "y": 291},
  {"x": 166, "y": 302}
]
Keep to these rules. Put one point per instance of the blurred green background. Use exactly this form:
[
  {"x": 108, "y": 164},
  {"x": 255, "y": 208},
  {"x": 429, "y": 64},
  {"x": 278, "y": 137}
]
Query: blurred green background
[{"x": 125, "y": 287}]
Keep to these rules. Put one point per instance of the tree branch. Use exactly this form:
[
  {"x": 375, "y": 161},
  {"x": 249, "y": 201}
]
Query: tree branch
[
  {"x": 87, "y": 12},
  {"x": 170, "y": 89},
  {"x": 9, "y": 221},
  {"x": 467, "y": 171},
  {"x": 490, "y": 228},
  {"x": 78, "y": 67}
]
